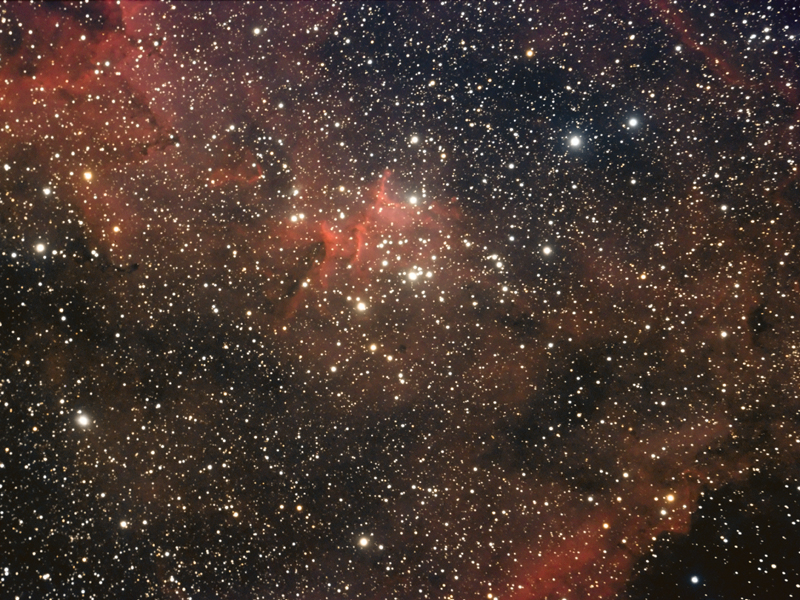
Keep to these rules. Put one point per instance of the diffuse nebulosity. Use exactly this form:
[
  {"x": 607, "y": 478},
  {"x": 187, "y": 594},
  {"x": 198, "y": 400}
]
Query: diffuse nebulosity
[{"x": 397, "y": 301}]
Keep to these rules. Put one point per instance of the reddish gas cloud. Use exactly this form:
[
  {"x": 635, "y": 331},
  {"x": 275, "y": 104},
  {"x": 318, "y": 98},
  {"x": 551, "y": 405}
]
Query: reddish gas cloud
[
  {"x": 374, "y": 305},
  {"x": 717, "y": 57},
  {"x": 346, "y": 253}
]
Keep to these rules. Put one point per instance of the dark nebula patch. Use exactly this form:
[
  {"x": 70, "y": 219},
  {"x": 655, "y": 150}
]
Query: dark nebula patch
[{"x": 742, "y": 544}]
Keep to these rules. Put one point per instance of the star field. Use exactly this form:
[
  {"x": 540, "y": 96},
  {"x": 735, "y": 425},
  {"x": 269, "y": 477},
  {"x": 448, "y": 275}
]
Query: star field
[{"x": 399, "y": 300}]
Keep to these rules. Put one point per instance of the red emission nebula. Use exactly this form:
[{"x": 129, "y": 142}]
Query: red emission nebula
[{"x": 399, "y": 300}]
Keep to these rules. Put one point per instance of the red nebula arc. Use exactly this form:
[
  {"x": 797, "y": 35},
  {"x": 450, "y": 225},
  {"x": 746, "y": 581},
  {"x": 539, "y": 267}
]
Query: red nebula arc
[{"x": 345, "y": 253}]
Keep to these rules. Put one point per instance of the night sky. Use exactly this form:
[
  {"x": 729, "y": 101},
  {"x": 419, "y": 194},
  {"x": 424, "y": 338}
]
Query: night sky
[{"x": 454, "y": 300}]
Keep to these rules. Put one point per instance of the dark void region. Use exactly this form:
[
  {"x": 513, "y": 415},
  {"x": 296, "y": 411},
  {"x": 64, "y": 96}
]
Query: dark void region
[{"x": 743, "y": 543}]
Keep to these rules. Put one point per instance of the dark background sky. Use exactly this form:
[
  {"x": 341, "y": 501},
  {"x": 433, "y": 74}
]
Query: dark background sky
[{"x": 399, "y": 300}]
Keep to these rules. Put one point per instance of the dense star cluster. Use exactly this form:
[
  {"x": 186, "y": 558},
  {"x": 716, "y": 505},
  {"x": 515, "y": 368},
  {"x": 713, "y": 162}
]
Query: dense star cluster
[{"x": 392, "y": 301}]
